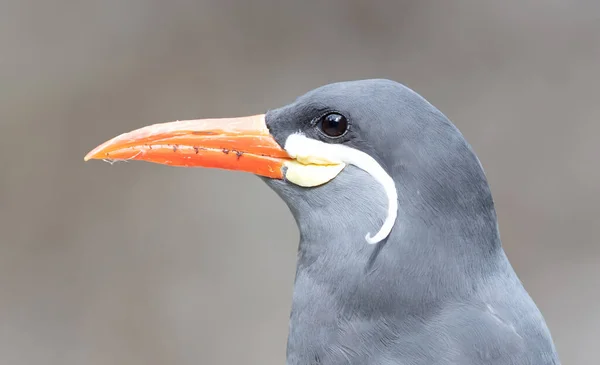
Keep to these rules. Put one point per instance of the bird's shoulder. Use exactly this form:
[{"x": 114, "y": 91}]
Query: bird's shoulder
[
  {"x": 469, "y": 332},
  {"x": 499, "y": 332}
]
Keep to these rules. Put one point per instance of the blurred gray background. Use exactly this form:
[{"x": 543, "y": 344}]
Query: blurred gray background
[{"x": 136, "y": 263}]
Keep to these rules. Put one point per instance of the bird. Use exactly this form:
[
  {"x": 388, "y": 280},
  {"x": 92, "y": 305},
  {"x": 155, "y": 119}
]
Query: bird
[{"x": 400, "y": 259}]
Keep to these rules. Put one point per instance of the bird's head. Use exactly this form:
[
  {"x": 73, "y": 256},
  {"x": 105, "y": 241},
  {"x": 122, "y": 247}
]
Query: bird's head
[
  {"x": 324, "y": 150},
  {"x": 358, "y": 160}
]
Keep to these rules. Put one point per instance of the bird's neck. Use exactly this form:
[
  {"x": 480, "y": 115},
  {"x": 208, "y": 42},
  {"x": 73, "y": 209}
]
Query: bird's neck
[
  {"x": 444, "y": 246},
  {"x": 427, "y": 258}
]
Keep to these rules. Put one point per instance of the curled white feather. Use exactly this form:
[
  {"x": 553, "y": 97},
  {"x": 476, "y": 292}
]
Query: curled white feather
[{"x": 311, "y": 151}]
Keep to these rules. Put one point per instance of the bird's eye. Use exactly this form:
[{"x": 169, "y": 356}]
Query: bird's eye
[{"x": 334, "y": 124}]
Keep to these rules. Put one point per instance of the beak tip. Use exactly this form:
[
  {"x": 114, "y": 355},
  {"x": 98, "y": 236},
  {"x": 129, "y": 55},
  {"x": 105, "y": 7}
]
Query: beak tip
[{"x": 93, "y": 154}]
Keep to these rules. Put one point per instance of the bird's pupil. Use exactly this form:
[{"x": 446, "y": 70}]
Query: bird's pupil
[{"x": 334, "y": 124}]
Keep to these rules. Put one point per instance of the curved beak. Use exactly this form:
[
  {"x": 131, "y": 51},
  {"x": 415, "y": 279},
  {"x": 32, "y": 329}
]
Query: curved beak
[{"x": 242, "y": 144}]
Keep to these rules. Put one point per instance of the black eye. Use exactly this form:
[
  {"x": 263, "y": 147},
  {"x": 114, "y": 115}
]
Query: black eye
[{"x": 334, "y": 124}]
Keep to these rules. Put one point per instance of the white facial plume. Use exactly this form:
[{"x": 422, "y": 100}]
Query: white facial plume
[{"x": 331, "y": 159}]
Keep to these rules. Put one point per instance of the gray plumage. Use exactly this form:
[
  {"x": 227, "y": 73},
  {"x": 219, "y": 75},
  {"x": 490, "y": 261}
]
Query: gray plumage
[{"x": 439, "y": 290}]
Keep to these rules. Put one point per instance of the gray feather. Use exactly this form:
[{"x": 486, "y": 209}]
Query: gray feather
[{"x": 439, "y": 289}]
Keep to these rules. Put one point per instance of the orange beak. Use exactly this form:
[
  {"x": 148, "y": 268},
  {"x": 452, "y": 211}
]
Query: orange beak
[{"x": 241, "y": 144}]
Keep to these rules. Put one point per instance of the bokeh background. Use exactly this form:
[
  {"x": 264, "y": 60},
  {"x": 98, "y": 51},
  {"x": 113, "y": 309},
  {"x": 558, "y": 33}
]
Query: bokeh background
[{"x": 135, "y": 263}]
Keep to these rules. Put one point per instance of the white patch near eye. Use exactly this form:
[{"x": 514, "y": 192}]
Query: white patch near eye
[{"x": 310, "y": 151}]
